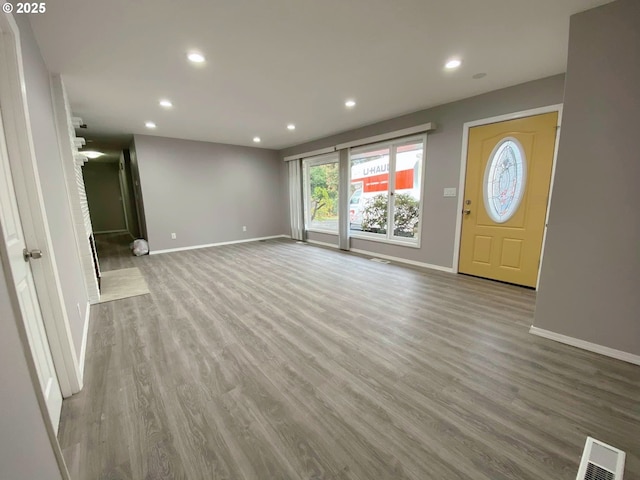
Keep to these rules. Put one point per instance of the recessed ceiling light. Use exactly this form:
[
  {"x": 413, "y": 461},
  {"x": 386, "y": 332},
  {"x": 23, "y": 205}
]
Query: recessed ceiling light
[
  {"x": 350, "y": 103},
  {"x": 291, "y": 126},
  {"x": 453, "y": 63},
  {"x": 195, "y": 57},
  {"x": 150, "y": 125},
  {"x": 92, "y": 154},
  {"x": 257, "y": 139},
  {"x": 166, "y": 103}
]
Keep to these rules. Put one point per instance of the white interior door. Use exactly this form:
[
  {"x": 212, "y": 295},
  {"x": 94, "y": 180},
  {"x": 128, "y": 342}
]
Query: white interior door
[{"x": 20, "y": 269}]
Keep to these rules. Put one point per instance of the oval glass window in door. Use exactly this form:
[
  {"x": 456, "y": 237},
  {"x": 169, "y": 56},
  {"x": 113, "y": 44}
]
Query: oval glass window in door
[{"x": 504, "y": 180}]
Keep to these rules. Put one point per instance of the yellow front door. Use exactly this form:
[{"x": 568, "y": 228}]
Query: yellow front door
[{"x": 505, "y": 198}]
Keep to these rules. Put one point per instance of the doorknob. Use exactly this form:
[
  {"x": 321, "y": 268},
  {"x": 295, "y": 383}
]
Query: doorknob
[
  {"x": 466, "y": 212},
  {"x": 28, "y": 254}
]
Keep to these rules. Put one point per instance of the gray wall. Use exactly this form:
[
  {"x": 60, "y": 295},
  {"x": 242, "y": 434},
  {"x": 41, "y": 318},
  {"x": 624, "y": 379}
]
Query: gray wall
[
  {"x": 589, "y": 286},
  {"x": 444, "y": 148},
  {"x": 102, "y": 183},
  {"x": 323, "y": 238},
  {"x": 25, "y": 450},
  {"x": 54, "y": 188},
  {"x": 205, "y": 192}
]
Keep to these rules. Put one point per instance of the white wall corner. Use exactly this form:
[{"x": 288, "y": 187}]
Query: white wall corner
[{"x": 83, "y": 347}]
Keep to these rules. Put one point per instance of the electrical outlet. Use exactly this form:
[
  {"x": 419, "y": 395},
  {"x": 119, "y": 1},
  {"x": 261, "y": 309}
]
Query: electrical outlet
[
  {"x": 244, "y": 228},
  {"x": 173, "y": 236}
]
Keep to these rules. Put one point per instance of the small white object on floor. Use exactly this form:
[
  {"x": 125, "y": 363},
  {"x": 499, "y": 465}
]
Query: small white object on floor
[{"x": 140, "y": 247}]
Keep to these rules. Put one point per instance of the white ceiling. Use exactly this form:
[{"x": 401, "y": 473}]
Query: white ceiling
[{"x": 274, "y": 62}]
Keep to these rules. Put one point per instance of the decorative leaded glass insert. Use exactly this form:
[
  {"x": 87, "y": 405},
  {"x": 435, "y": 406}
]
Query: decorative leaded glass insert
[{"x": 504, "y": 180}]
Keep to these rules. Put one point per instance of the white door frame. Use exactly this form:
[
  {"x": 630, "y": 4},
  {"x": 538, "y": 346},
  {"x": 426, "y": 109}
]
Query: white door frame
[
  {"x": 31, "y": 206},
  {"x": 463, "y": 171},
  {"x": 122, "y": 181}
]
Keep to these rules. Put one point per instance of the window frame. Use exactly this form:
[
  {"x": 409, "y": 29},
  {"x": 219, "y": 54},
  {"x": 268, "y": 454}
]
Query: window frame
[
  {"x": 307, "y": 163},
  {"x": 389, "y": 237}
]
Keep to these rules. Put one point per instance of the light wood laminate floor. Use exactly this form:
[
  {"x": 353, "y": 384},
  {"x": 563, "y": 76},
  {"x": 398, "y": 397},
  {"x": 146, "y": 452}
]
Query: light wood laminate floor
[{"x": 274, "y": 360}]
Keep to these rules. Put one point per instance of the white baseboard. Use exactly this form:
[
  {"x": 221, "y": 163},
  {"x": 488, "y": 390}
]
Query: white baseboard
[
  {"x": 322, "y": 244},
  {"x": 592, "y": 347},
  {"x": 195, "y": 247},
  {"x": 85, "y": 336},
  {"x": 403, "y": 260}
]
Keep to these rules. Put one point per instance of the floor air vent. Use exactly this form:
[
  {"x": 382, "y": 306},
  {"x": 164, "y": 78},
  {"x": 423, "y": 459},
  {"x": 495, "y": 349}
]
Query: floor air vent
[
  {"x": 379, "y": 260},
  {"x": 601, "y": 462}
]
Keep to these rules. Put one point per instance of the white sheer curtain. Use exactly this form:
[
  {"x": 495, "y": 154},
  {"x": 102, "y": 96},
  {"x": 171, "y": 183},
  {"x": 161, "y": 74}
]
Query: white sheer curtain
[{"x": 295, "y": 199}]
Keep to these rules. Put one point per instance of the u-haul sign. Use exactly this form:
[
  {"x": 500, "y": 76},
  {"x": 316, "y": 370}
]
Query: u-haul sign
[{"x": 374, "y": 174}]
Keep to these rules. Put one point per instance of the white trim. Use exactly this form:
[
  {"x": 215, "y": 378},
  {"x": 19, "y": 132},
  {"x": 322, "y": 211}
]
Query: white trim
[
  {"x": 396, "y": 134},
  {"x": 110, "y": 231},
  {"x": 312, "y": 153},
  {"x": 403, "y": 260},
  {"x": 463, "y": 167},
  {"x": 121, "y": 182},
  {"x": 584, "y": 345},
  {"x": 553, "y": 179},
  {"x": 195, "y": 247},
  {"x": 323, "y": 244},
  {"x": 85, "y": 336}
]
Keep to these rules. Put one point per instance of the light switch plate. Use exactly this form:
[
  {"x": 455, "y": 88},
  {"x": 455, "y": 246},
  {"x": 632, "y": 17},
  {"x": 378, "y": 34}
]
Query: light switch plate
[{"x": 450, "y": 192}]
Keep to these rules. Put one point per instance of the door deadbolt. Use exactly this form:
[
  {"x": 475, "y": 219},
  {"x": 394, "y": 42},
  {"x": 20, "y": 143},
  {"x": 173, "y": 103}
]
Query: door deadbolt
[{"x": 28, "y": 254}]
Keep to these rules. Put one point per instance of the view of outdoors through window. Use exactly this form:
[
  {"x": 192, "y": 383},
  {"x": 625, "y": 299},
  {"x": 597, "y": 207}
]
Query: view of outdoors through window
[
  {"x": 369, "y": 184},
  {"x": 384, "y": 192},
  {"x": 369, "y": 203},
  {"x": 322, "y": 200}
]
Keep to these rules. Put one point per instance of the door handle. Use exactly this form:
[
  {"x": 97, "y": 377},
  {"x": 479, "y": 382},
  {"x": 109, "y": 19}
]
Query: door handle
[
  {"x": 29, "y": 254},
  {"x": 466, "y": 212}
]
